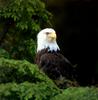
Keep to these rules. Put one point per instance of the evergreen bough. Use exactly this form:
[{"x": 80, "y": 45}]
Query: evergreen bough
[
  {"x": 20, "y": 21},
  {"x": 21, "y": 80}
]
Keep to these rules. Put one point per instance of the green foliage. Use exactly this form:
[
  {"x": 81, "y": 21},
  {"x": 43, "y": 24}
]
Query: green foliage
[
  {"x": 19, "y": 71},
  {"x": 21, "y": 80},
  {"x": 29, "y": 14},
  {"x": 25, "y": 50},
  {"x": 4, "y": 53},
  {"x": 26, "y": 91},
  {"x": 78, "y": 93},
  {"x": 20, "y": 21}
]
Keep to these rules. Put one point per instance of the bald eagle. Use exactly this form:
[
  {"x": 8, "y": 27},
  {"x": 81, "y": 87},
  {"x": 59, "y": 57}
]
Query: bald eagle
[{"x": 48, "y": 57}]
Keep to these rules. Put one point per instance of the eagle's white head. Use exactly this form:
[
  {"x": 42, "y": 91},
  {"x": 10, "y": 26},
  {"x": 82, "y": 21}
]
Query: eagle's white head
[{"x": 46, "y": 38}]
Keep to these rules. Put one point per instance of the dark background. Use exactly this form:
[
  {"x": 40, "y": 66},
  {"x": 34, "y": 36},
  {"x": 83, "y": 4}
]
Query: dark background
[{"x": 76, "y": 25}]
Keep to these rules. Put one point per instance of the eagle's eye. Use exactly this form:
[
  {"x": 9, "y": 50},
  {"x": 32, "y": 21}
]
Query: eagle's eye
[{"x": 47, "y": 33}]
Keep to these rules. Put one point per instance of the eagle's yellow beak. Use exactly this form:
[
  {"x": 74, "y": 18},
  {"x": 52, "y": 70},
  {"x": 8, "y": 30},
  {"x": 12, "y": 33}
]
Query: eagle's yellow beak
[{"x": 52, "y": 36}]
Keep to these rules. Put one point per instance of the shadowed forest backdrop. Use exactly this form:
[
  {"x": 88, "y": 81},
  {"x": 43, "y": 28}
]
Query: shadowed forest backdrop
[{"x": 75, "y": 24}]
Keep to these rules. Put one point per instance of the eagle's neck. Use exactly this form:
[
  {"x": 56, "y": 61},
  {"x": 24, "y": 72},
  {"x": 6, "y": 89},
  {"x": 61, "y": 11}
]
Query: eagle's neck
[{"x": 51, "y": 46}]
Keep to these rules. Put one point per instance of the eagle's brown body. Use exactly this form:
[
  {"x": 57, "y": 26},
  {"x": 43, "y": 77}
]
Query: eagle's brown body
[{"x": 54, "y": 64}]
